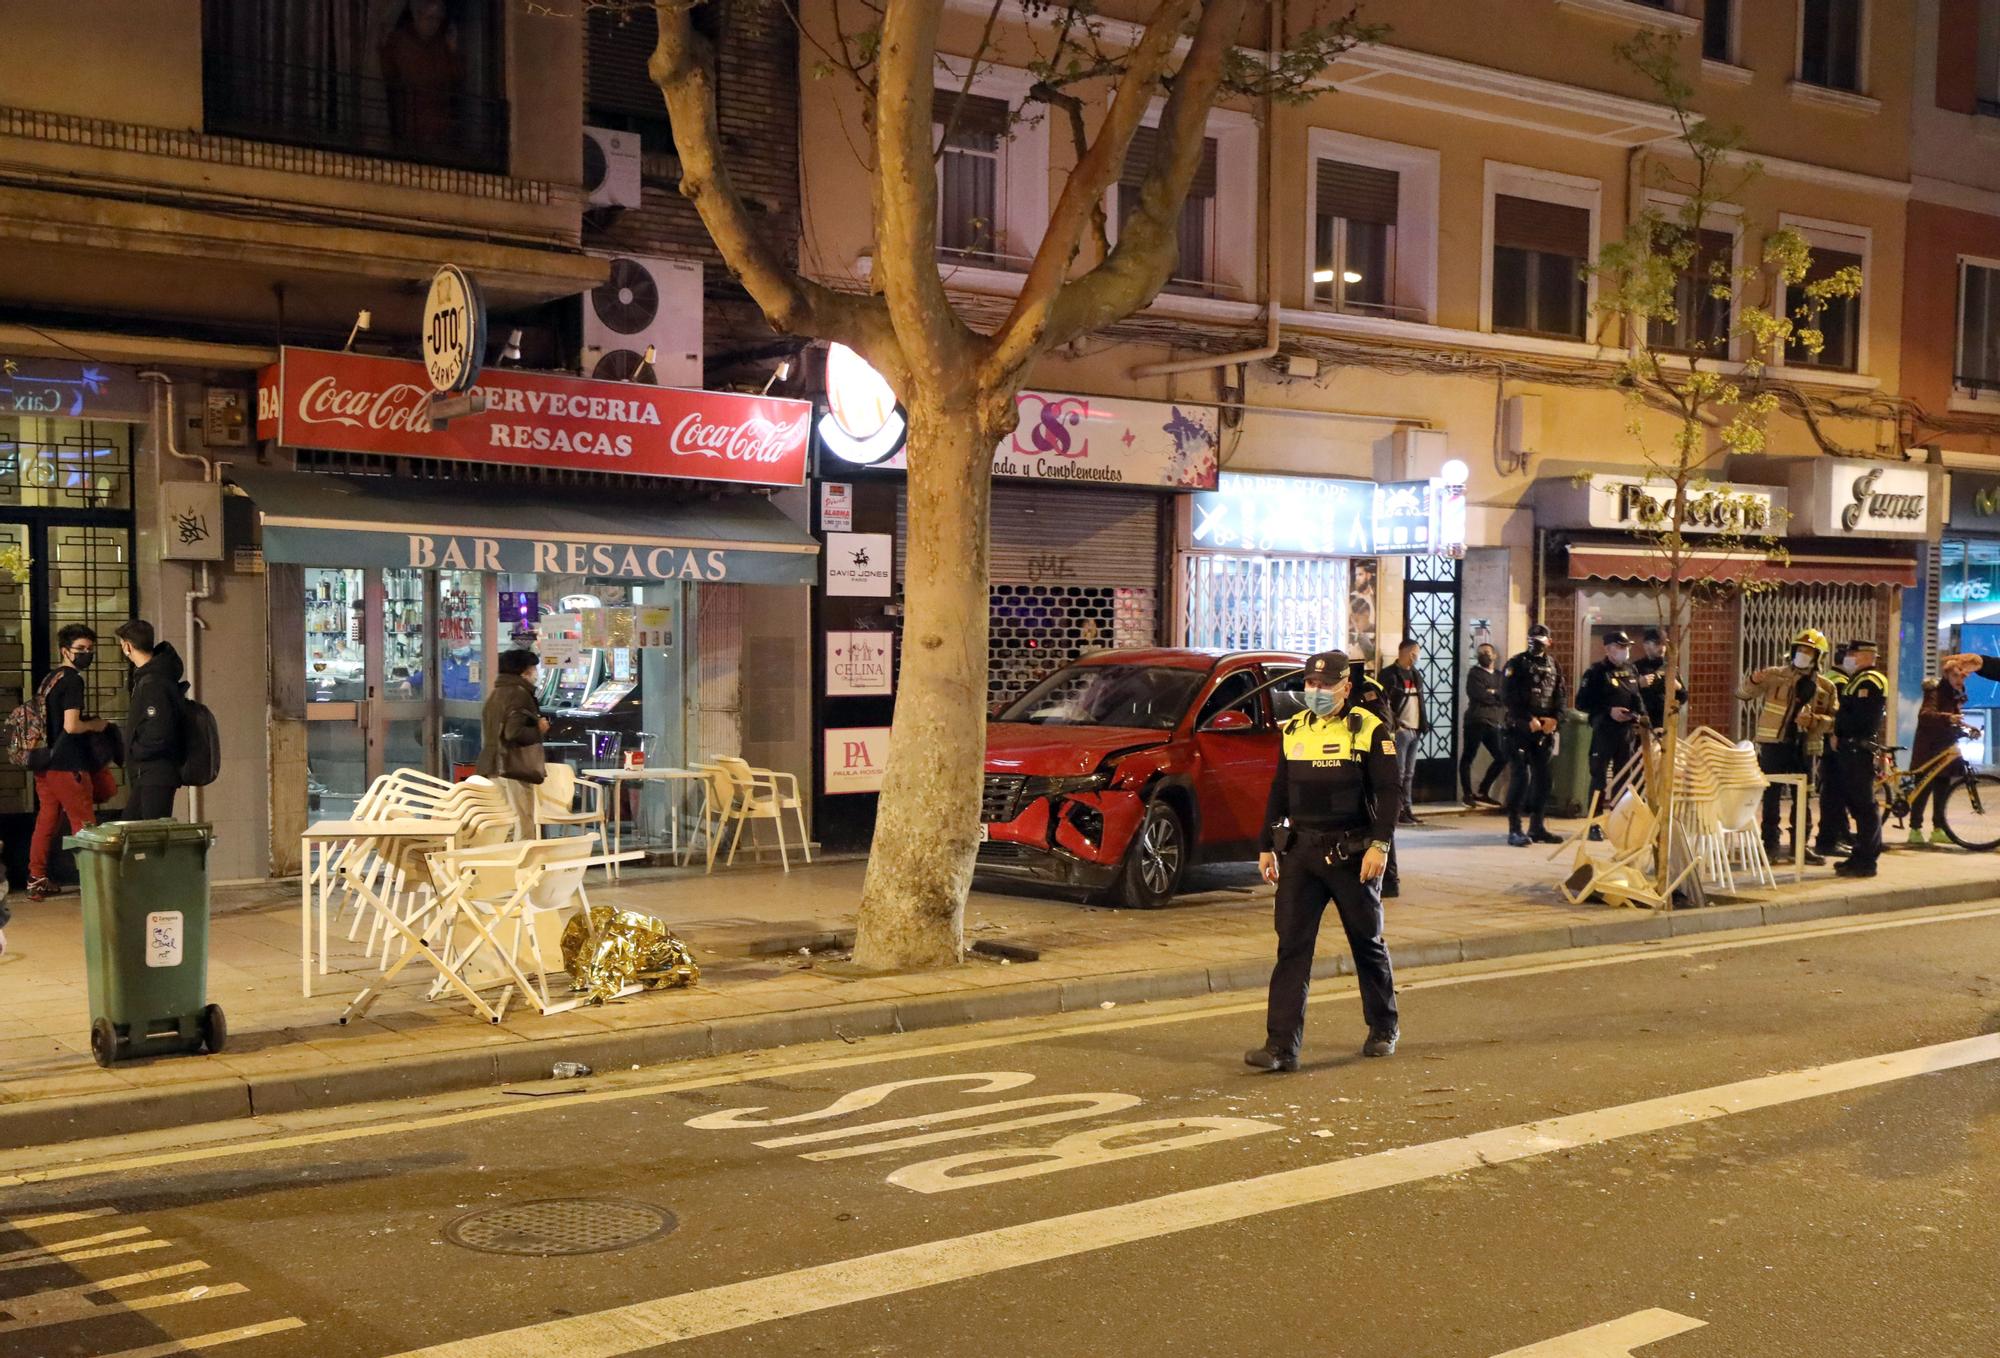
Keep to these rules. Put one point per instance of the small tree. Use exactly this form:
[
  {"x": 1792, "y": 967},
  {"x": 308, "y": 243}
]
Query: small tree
[
  {"x": 1699, "y": 331},
  {"x": 956, "y": 380}
]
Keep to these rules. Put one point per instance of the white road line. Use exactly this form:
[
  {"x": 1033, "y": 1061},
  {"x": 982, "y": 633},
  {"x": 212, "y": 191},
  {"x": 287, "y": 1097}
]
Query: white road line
[
  {"x": 733, "y": 1306},
  {"x": 54, "y": 1257},
  {"x": 1194, "y": 1012},
  {"x": 62, "y": 1246},
  {"x": 53, "y": 1219},
  {"x": 1614, "y": 1338},
  {"x": 54, "y": 1296},
  {"x": 83, "y": 1310},
  {"x": 213, "y": 1340}
]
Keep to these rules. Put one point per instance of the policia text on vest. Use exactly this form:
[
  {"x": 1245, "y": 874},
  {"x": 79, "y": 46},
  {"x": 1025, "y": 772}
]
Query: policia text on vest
[{"x": 1327, "y": 830}]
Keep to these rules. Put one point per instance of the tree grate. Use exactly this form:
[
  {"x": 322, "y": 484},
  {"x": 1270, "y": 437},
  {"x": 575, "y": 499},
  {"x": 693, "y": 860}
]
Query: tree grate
[{"x": 553, "y": 1226}]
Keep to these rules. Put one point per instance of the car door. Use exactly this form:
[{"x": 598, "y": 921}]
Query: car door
[{"x": 1236, "y": 749}]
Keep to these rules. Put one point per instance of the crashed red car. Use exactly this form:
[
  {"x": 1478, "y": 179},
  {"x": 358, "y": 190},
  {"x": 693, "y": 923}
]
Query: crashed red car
[{"x": 1119, "y": 772}]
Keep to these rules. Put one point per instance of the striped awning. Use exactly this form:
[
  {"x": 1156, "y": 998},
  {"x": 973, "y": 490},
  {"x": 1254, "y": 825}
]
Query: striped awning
[{"x": 1638, "y": 562}]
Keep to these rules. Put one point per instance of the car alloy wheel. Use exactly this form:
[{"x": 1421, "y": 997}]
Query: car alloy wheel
[{"x": 1160, "y": 854}]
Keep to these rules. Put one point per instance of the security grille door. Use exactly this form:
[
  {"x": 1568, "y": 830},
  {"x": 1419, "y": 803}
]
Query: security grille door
[
  {"x": 1773, "y": 617},
  {"x": 1070, "y": 572},
  {"x": 1430, "y": 616},
  {"x": 1259, "y": 603}
]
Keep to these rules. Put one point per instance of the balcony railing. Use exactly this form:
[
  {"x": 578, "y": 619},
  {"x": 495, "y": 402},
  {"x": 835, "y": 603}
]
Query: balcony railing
[{"x": 333, "y": 111}]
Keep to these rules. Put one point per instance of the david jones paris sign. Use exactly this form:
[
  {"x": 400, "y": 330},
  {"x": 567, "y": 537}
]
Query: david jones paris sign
[{"x": 364, "y": 404}]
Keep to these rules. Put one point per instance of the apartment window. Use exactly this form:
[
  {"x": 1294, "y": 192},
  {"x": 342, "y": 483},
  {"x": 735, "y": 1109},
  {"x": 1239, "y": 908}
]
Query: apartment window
[
  {"x": 418, "y": 81},
  {"x": 1354, "y": 237},
  {"x": 1717, "y": 23},
  {"x": 972, "y": 173},
  {"x": 1839, "y": 323},
  {"x": 1978, "y": 368},
  {"x": 1830, "y": 43},
  {"x": 1540, "y": 250},
  {"x": 620, "y": 93},
  {"x": 1194, "y": 269},
  {"x": 1702, "y": 320}
]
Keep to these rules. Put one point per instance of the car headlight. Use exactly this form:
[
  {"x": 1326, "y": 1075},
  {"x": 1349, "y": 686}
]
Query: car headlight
[{"x": 1060, "y": 787}]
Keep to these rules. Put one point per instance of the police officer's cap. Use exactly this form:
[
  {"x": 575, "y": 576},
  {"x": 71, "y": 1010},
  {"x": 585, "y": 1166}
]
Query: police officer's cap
[
  {"x": 1860, "y": 644},
  {"x": 1328, "y": 667},
  {"x": 1540, "y": 629},
  {"x": 1617, "y": 639}
]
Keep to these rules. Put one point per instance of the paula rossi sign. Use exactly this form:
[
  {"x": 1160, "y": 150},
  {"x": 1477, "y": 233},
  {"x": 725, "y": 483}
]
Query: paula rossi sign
[
  {"x": 365, "y": 404},
  {"x": 854, "y": 759}
]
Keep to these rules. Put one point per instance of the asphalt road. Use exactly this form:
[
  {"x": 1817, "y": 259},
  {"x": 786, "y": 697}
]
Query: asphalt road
[{"x": 1775, "y": 1143}]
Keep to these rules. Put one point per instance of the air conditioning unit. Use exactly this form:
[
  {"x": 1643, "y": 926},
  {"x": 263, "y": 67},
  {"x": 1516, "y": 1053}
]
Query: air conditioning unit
[
  {"x": 654, "y": 302},
  {"x": 610, "y": 168}
]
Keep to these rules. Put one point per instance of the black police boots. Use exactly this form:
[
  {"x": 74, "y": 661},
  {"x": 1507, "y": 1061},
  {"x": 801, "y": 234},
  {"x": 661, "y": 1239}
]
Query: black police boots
[{"x": 1263, "y": 1058}]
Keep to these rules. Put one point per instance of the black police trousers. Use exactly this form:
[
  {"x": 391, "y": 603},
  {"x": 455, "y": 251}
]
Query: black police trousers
[
  {"x": 1834, "y": 824},
  {"x": 1528, "y": 780},
  {"x": 1306, "y": 882},
  {"x": 1856, "y": 771}
]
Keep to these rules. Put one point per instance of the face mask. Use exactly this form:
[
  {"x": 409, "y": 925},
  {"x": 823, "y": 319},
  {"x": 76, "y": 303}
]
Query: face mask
[
  {"x": 1851, "y": 664},
  {"x": 1319, "y": 701},
  {"x": 1538, "y": 644},
  {"x": 1617, "y": 655},
  {"x": 1485, "y": 662},
  {"x": 1802, "y": 660},
  {"x": 82, "y": 659}
]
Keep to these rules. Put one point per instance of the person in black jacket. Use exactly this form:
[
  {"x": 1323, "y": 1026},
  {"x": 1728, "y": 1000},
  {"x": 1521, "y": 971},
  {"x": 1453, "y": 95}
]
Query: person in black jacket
[
  {"x": 1532, "y": 689},
  {"x": 1609, "y": 696},
  {"x": 155, "y": 737},
  {"x": 1656, "y": 671},
  {"x": 1485, "y": 717},
  {"x": 1403, "y": 696},
  {"x": 1857, "y": 726},
  {"x": 1327, "y": 827}
]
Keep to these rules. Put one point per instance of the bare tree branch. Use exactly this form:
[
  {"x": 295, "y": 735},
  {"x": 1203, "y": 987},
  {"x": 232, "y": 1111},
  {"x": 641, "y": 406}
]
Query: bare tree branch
[
  {"x": 683, "y": 66},
  {"x": 906, "y": 187}
]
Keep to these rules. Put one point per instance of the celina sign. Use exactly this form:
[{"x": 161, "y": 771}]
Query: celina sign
[{"x": 365, "y": 404}]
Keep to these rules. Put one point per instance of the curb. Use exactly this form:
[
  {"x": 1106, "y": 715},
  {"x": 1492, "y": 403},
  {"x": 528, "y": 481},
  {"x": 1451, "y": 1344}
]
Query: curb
[{"x": 53, "y": 1121}]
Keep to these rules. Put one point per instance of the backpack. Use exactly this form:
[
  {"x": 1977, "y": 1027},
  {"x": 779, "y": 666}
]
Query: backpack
[
  {"x": 201, "y": 744},
  {"x": 27, "y": 728}
]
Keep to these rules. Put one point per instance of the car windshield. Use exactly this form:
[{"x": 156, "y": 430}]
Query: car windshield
[{"x": 1149, "y": 696}]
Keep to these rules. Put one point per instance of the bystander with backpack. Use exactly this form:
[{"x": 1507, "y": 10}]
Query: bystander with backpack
[
  {"x": 156, "y": 725},
  {"x": 63, "y": 749}
]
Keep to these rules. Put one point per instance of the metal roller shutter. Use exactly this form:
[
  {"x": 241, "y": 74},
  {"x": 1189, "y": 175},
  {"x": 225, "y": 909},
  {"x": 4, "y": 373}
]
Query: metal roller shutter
[{"x": 1072, "y": 571}]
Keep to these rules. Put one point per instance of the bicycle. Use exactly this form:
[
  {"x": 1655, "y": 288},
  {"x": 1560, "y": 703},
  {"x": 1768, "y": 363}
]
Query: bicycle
[{"x": 1967, "y": 808}]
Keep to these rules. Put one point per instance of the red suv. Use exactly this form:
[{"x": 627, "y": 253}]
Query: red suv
[{"x": 1119, "y": 771}]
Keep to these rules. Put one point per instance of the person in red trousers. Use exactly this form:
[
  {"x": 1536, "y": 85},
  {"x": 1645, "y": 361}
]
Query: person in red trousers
[{"x": 75, "y": 779}]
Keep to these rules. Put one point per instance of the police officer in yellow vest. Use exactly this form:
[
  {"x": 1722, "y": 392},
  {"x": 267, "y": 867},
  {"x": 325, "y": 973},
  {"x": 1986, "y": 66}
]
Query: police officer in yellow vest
[
  {"x": 1857, "y": 726},
  {"x": 1327, "y": 831}
]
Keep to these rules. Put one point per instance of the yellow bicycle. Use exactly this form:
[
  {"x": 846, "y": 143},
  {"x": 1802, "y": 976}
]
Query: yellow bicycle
[{"x": 1966, "y": 807}]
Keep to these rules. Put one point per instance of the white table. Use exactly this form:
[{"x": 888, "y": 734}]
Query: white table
[
  {"x": 1802, "y": 785},
  {"x": 614, "y": 778},
  {"x": 329, "y": 836}
]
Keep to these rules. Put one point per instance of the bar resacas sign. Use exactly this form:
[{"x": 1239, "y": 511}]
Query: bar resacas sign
[{"x": 364, "y": 404}]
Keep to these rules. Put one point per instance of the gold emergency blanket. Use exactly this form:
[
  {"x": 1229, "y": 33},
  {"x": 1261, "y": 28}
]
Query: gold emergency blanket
[{"x": 628, "y": 949}]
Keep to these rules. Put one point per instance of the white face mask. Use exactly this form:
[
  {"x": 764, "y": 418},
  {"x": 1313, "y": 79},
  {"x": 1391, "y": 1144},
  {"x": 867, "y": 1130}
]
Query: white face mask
[
  {"x": 1617, "y": 655},
  {"x": 1852, "y": 664},
  {"x": 1802, "y": 660}
]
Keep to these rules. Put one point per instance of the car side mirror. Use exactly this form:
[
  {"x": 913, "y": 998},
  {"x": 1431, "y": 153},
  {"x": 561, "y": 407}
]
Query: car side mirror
[{"x": 1235, "y": 719}]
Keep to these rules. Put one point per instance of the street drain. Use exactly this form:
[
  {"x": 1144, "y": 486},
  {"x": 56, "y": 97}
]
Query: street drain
[{"x": 560, "y": 1226}]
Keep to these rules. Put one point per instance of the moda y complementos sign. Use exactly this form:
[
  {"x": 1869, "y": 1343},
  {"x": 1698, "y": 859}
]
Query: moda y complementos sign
[
  {"x": 1089, "y": 440},
  {"x": 362, "y": 403}
]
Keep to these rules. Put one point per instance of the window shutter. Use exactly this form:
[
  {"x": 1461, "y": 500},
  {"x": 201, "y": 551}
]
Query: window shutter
[
  {"x": 1360, "y": 193},
  {"x": 621, "y": 43},
  {"x": 1551, "y": 228},
  {"x": 977, "y": 121},
  {"x": 1139, "y": 159}
]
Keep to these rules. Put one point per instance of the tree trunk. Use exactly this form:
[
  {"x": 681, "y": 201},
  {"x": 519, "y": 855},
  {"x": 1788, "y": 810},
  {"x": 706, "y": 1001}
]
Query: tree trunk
[{"x": 927, "y": 826}]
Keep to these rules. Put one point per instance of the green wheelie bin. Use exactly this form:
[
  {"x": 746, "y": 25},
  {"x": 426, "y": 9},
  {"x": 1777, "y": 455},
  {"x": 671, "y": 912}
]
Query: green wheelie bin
[
  {"x": 1569, "y": 778},
  {"x": 145, "y": 938}
]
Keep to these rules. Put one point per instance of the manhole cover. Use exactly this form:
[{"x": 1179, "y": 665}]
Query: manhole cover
[{"x": 560, "y": 1226}]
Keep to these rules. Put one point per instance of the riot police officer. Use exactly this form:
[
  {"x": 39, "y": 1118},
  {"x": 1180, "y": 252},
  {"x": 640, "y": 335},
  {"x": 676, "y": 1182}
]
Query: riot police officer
[
  {"x": 1656, "y": 674},
  {"x": 1531, "y": 689},
  {"x": 1327, "y": 829},
  {"x": 1857, "y": 726},
  {"x": 1609, "y": 696}
]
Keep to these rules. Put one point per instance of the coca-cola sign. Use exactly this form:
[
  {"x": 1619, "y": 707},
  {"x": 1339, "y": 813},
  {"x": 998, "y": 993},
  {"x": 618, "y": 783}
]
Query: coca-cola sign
[{"x": 364, "y": 404}]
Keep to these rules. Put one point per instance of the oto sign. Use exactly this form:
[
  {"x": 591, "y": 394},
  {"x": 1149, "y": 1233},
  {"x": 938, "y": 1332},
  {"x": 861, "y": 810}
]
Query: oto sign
[
  {"x": 364, "y": 404},
  {"x": 454, "y": 334}
]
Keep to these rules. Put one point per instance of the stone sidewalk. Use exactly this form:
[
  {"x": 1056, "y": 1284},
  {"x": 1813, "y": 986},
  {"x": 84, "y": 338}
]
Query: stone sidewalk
[{"x": 769, "y": 945}]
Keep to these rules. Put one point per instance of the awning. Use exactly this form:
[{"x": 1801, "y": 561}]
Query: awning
[
  {"x": 1633, "y": 562},
  {"x": 324, "y": 520}
]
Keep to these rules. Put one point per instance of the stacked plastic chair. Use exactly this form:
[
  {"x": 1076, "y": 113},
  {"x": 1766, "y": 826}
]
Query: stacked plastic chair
[{"x": 1718, "y": 794}]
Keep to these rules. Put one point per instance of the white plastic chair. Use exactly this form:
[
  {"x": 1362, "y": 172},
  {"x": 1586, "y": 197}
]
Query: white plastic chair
[
  {"x": 557, "y": 802},
  {"x": 761, "y": 795}
]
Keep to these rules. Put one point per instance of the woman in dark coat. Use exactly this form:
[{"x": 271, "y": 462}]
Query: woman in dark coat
[{"x": 1937, "y": 731}]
